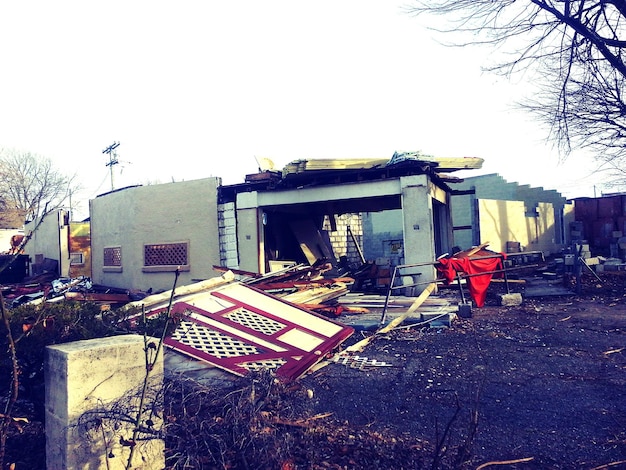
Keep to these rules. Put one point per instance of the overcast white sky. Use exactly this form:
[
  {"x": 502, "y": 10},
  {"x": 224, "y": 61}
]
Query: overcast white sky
[{"x": 199, "y": 88}]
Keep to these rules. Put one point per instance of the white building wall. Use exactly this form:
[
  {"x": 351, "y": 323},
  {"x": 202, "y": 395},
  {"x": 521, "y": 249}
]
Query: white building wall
[
  {"x": 166, "y": 213},
  {"x": 50, "y": 239},
  {"x": 510, "y": 221}
]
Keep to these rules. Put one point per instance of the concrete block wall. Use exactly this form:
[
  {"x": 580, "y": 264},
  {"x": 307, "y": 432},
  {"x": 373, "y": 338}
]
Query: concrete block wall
[
  {"x": 463, "y": 210},
  {"x": 494, "y": 187},
  {"x": 89, "y": 376},
  {"x": 384, "y": 236},
  {"x": 227, "y": 226},
  {"x": 341, "y": 241}
]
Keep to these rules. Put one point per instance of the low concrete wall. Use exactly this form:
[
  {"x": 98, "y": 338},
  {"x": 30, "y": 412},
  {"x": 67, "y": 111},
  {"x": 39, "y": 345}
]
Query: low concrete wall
[{"x": 85, "y": 382}]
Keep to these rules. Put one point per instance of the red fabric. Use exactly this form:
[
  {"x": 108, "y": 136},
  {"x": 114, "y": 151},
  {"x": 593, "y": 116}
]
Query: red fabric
[{"x": 477, "y": 283}]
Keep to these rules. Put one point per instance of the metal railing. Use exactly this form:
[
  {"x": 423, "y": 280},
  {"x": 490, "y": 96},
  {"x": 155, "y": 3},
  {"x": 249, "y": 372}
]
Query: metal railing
[{"x": 459, "y": 276}]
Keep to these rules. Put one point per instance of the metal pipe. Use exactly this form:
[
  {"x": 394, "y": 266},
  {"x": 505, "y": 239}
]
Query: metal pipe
[
  {"x": 458, "y": 278},
  {"x": 393, "y": 279}
]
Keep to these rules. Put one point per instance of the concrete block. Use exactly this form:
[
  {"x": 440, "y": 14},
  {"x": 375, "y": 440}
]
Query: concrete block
[
  {"x": 90, "y": 376},
  {"x": 227, "y": 230},
  {"x": 438, "y": 318},
  {"x": 510, "y": 300},
  {"x": 228, "y": 239},
  {"x": 465, "y": 310},
  {"x": 229, "y": 215}
]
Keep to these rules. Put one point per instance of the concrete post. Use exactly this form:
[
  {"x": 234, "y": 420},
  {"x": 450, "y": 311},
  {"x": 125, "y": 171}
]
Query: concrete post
[
  {"x": 84, "y": 378},
  {"x": 419, "y": 236}
]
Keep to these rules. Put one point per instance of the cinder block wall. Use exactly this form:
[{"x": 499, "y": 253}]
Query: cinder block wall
[
  {"x": 341, "y": 241},
  {"x": 87, "y": 376},
  {"x": 227, "y": 226}
]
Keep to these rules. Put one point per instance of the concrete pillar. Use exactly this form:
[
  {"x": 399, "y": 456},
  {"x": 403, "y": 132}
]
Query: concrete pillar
[
  {"x": 419, "y": 236},
  {"x": 249, "y": 233},
  {"x": 90, "y": 375}
]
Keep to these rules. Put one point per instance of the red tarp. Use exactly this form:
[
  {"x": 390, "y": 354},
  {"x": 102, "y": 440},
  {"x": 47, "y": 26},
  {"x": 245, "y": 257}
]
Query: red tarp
[{"x": 472, "y": 266}]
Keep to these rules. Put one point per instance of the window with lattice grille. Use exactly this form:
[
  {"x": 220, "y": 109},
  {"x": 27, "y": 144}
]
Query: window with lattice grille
[
  {"x": 113, "y": 256},
  {"x": 112, "y": 259},
  {"x": 166, "y": 257},
  {"x": 76, "y": 258}
]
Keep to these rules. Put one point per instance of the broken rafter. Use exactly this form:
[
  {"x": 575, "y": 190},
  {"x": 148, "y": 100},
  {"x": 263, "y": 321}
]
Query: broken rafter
[{"x": 156, "y": 300}]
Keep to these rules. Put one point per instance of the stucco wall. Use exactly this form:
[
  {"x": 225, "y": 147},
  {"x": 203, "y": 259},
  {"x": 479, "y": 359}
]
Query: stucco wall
[
  {"x": 503, "y": 221},
  {"x": 51, "y": 240},
  {"x": 166, "y": 213}
]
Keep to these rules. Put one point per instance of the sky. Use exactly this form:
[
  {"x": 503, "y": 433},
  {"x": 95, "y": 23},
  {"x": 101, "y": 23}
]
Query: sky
[{"x": 199, "y": 88}]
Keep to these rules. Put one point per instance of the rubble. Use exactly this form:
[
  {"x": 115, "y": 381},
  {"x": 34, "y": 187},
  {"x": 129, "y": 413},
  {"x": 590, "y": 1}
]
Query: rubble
[{"x": 291, "y": 321}]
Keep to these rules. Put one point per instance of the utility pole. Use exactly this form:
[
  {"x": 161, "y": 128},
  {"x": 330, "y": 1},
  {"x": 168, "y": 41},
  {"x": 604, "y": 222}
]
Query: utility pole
[{"x": 110, "y": 150}]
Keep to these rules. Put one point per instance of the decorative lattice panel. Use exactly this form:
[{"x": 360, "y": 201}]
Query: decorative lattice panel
[
  {"x": 113, "y": 256},
  {"x": 255, "y": 321},
  {"x": 359, "y": 362},
  {"x": 211, "y": 342},
  {"x": 260, "y": 365},
  {"x": 165, "y": 254}
]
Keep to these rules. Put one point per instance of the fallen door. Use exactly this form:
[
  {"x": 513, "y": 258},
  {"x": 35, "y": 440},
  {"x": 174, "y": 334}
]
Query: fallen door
[{"x": 241, "y": 329}]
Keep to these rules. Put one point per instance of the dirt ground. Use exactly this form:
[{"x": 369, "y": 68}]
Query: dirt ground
[{"x": 542, "y": 384}]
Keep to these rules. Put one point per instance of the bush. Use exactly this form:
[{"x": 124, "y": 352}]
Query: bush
[{"x": 34, "y": 327}]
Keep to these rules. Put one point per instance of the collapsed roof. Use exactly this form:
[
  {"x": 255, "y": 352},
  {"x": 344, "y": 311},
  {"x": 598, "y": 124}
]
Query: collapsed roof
[{"x": 318, "y": 172}]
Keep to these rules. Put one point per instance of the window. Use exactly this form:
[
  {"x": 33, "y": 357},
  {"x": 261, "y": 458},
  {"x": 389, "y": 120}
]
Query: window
[
  {"x": 166, "y": 257},
  {"x": 112, "y": 259},
  {"x": 76, "y": 258}
]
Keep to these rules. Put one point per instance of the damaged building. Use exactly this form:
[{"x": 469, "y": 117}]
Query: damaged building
[{"x": 342, "y": 212}]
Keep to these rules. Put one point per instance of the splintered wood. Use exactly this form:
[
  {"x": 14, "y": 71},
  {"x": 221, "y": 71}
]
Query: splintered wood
[{"x": 359, "y": 346}]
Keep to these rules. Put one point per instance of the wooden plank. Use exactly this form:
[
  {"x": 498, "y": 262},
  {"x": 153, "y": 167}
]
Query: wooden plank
[
  {"x": 311, "y": 242},
  {"x": 163, "y": 298},
  {"x": 359, "y": 346}
]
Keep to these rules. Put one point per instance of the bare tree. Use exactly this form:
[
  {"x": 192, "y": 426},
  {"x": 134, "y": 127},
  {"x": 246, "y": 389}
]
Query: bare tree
[
  {"x": 577, "y": 49},
  {"x": 30, "y": 185}
]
